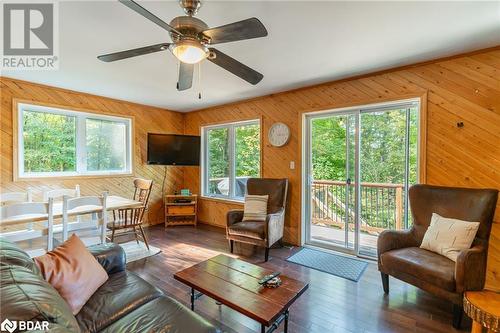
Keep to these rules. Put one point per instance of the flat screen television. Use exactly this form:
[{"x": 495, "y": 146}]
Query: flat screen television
[{"x": 173, "y": 149}]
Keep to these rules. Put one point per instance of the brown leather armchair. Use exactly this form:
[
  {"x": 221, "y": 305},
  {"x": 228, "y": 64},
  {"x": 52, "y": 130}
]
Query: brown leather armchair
[
  {"x": 266, "y": 233},
  {"x": 400, "y": 255}
]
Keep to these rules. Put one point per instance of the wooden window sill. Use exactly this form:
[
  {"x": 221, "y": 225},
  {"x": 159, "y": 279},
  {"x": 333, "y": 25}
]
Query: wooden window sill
[
  {"x": 61, "y": 177},
  {"x": 223, "y": 200}
]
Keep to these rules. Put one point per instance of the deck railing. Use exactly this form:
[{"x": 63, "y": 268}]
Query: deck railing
[{"x": 382, "y": 205}]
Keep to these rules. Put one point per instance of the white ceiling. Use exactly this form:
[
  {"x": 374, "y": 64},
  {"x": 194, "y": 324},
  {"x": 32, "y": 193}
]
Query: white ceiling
[{"x": 308, "y": 43}]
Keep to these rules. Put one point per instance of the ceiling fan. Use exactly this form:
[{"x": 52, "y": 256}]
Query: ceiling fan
[{"x": 192, "y": 40}]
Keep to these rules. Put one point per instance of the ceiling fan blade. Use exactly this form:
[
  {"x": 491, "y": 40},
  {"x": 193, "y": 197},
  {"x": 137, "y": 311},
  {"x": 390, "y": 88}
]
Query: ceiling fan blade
[
  {"x": 246, "y": 29},
  {"x": 185, "y": 76},
  {"x": 133, "y": 53},
  {"x": 237, "y": 68},
  {"x": 150, "y": 16}
]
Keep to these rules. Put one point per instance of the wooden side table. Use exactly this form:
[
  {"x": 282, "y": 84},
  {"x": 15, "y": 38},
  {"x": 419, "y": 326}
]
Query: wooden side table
[
  {"x": 484, "y": 309},
  {"x": 181, "y": 213}
]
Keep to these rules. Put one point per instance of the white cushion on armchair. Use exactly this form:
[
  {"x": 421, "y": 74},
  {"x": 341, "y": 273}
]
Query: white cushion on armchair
[{"x": 447, "y": 236}]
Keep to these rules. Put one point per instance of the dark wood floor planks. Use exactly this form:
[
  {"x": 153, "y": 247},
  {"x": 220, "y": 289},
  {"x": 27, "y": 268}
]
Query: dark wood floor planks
[{"x": 331, "y": 304}]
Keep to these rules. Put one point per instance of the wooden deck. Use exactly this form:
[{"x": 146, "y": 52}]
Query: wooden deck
[{"x": 368, "y": 243}]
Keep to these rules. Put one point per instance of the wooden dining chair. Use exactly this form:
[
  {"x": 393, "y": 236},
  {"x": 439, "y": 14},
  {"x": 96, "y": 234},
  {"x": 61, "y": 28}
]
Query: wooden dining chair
[
  {"x": 27, "y": 233},
  {"x": 16, "y": 197},
  {"x": 79, "y": 206},
  {"x": 127, "y": 221},
  {"x": 36, "y": 211},
  {"x": 59, "y": 193}
]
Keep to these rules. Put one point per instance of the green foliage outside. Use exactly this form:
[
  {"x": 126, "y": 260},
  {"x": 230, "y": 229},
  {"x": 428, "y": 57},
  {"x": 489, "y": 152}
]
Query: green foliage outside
[
  {"x": 105, "y": 145},
  {"x": 328, "y": 147},
  {"x": 247, "y": 153},
  {"x": 382, "y": 147},
  {"x": 49, "y": 142},
  {"x": 218, "y": 156},
  {"x": 383, "y": 136},
  {"x": 382, "y": 160}
]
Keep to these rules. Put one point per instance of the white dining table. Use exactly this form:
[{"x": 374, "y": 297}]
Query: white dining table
[{"x": 113, "y": 202}]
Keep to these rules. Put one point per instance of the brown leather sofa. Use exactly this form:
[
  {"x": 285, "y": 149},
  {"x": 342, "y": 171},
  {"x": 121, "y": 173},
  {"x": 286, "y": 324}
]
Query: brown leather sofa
[
  {"x": 125, "y": 303},
  {"x": 267, "y": 233},
  {"x": 400, "y": 255}
]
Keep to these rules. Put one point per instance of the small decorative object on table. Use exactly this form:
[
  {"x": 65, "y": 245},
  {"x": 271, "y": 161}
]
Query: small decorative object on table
[
  {"x": 484, "y": 309},
  {"x": 185, "y": 191},
  {"x": 271, "y": 281}
]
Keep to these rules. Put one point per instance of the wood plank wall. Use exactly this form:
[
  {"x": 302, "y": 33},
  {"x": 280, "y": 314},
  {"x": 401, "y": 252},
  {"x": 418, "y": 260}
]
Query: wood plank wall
[
  {"x": 146, "y": 118},
  {"x": 460, "y": 89}
]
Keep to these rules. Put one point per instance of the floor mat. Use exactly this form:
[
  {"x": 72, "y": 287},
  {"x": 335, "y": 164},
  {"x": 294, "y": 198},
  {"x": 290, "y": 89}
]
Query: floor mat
[
  {"x": 134, "y": 251},
  {"x": 338, "y": 265}
]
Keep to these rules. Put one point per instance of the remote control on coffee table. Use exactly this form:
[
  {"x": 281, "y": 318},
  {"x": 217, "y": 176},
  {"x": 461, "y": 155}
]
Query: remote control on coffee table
[{"x": 269, "y": 277}]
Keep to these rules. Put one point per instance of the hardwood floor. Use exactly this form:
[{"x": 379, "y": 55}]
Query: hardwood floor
[{"x": 331, "y": 304}]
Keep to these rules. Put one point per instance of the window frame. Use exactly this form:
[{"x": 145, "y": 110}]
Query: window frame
[
  {"x": 81, "y": 115},
  {"x": 205, "y": 166}
]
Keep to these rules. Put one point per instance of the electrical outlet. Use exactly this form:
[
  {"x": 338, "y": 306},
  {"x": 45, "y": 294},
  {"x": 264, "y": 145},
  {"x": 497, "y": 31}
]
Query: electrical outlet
[{"x": 292, "y": 165}]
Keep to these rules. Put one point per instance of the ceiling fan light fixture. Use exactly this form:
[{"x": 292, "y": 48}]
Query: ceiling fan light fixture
[
  {"x": 193, "y": 40},
  {"x": 189, "y": 51}
]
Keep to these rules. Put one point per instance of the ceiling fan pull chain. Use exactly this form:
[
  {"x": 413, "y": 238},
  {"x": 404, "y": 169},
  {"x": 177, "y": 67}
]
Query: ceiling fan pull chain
[
  {"x": 178, "y": 73},
  {"x": 199, "y": 80}
]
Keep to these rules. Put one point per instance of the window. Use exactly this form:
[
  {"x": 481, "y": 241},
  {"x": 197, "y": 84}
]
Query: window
[
  {"x": 231, "y": 155},
  {"x": 55, "y": 142}
]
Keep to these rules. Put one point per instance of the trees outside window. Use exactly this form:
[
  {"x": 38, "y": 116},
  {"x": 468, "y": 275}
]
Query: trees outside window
[
  {"x": 49, "y": 142},
  {"x": 231, "y": 155},
  {"x": 384, "y": 141},
  {"x": 382, "y": 149},
  {"x": 104, "y": 145},
  {"x": 55, "y": 142}
]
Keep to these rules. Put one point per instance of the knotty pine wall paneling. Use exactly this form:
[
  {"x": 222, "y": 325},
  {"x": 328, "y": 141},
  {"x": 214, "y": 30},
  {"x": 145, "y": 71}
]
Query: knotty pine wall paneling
[
  {"x": 459, "y": 89},
  {"x": 146, "y": 119}
]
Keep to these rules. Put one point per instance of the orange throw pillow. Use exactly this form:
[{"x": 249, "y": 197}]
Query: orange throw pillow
[{"x": 73, "y": 271}]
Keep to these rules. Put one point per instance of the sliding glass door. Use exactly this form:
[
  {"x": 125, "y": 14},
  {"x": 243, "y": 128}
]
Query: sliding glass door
[
  {"x": 388, "y": 165},
  {"x": 332, "y": 163},
  {"x": 359, "y": 165}
]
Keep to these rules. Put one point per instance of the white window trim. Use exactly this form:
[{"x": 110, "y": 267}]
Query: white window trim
[
  {"x": 232, "y": 162},
  {"x": 80, "y": 116}
]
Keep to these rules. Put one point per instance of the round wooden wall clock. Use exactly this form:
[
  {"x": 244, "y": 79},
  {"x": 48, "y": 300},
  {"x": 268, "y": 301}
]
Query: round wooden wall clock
[{"x": 279, "y": 134}]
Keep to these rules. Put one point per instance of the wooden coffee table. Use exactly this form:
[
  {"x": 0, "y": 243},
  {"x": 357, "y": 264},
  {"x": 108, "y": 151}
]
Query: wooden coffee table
[{"x": 234, "y": 283}]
